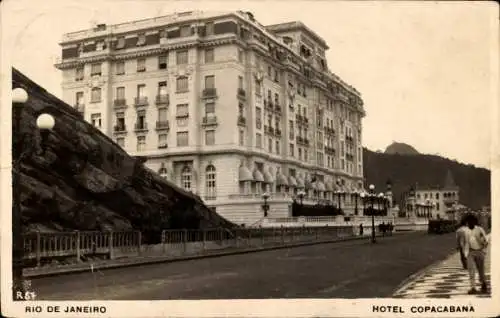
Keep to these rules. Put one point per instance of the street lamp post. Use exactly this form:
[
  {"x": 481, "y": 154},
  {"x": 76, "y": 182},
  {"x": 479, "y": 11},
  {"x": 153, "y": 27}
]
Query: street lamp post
[
  {"x": 372, "y": 195},
  {"x": 355, "y": 195},
  {"x": 45, "y": 122},
  {"x": 265, "y": 206},
  {"x": 301, "y": 195}
]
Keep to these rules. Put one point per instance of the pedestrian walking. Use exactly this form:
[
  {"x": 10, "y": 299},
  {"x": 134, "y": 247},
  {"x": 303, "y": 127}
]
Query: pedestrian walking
[
  {"x": 361, "y": 229},
  {"x": 462, "y": 241},
  {"x": 476, "y": 243},
  {"x": 391, "y": 228}
]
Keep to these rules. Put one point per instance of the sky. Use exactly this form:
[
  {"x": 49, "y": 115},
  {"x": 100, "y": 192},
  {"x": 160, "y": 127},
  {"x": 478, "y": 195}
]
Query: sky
[{"x": 427, "y": 71}]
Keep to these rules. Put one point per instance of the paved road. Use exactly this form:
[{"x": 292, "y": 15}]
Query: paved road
[{"x": 352, "y": 269}]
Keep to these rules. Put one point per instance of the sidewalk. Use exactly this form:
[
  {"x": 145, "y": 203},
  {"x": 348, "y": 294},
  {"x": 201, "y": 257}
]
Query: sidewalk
[{"x": 446, "y": 279}]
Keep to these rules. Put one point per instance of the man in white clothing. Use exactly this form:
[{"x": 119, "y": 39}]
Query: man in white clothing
[
  {"x": 462, "y": 242},
  {"x": 475, "y": 251}
]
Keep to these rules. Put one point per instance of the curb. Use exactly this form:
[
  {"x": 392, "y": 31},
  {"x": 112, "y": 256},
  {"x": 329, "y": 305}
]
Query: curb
[{"x": 165, "y": 259}]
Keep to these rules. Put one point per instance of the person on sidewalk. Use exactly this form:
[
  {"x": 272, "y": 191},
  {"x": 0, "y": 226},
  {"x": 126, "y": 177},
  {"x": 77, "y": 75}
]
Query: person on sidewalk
[
  {"x": 477, "y": 242},
  {"x": 462, "y": 242},
  {"x": 361, "y": 229}
]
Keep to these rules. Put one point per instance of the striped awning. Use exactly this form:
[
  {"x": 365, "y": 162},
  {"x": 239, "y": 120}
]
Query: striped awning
[
  {"x": 257, "y": 176},
  {"x": 245, "y": 174},
  {"x": 292, "y": 181},
  {"x": 281, "y": 180},
  {"x": 320, "y": 186}
]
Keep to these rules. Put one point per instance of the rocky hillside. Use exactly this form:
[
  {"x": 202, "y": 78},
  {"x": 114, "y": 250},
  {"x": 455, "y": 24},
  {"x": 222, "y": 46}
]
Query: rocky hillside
[
  {"x": 85, "y": 181},
  {"x": 401, "y": 149},
  {"x": 427, "y": 170}
]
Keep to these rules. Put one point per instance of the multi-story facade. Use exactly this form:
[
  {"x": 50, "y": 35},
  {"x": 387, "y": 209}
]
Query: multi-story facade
[
  {"x": 223, "y": 106},
  {"x": 434, "y": 202}
]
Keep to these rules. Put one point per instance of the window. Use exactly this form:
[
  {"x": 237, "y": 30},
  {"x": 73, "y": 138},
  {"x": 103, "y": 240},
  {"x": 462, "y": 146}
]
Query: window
[
  {"x": 290, "y": 126},
  {"x": 258, "y": 140},
  {"x": 269, "y": 71},
  {"x": 292, "y": 150},
  {"x": 162, "y": 88},
  {"x": 300, "y": 153},
  {"x": 258, "y": 88},
  {"x": 95, "y": 96},
  {"x": 278, "y": 147},
  {"x": 120, "y": 141},
  {"x": 241, "y": 56},
  {"x": 141, "y": 65},
  {"x": 162, "y": 140},
  {"x": 120, "y": 67},
  {"x": 186, "y": 178},
  {"x": 141, "y": 90},
  {"x": 182, "y": 139},
  {"x": 182, "y": 57},
  {"x": 258, "y": 118},
  {"x": 95, "y": 69},
  {"x": 79, "y": 73},
  {"x": 182, "y": 84},
  {"x": 437, "y": 197},
  {"x": 96, "y": 120},
  {"x": 209, "y": 55},
  {"x": 242, "y": 137},
  {"x": 120, "y": 93},
  {"x": 162, "y": 62},
  {"x": 209, "y": 109},
  {"x": 210, "y": 174},
  {"x": 276, "y": 99},
  {"x": 162, "y": 114},
  {"x": 209, "y": 81},
  {"x": 79, "y": 99},
  {"x": 306, "y": 155},
  {"x": 241, "y": 109},
  {"x": 276, "y": 76},
  {"x": 270, "y": 145},
  {"x": 141, "y": 120},
  {"x": 210, "y": 137},
  {"x": 182, "y": 110},
  {"x": 141, "y": 143},
  {"x": 185, "y": 30},
  {"x": 209, "y": 28},
  {"x": 120, "y": 121}
]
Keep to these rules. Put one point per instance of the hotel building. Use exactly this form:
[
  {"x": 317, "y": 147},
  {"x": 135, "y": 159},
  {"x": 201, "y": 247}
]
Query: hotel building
[
  {"x": 222, "y": 106},
  {"x": 434, "y": 201}
]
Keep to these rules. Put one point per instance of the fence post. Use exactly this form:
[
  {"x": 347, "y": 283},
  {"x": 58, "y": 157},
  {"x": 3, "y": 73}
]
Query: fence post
[
  {"x": 111, "y": 243},
  {"x": 261, "y": 236},
  {"x": 282, "y": 236},
  {"x": 204, "y": 234},
  {"x": 163, "y": 243},
  {"x": 139, "y": 241},
  {"x": 236, "y": 241},
  {"x": 38, "y": 251},
  {"x": 78, "y": 254},
  {"x": 184, "y": 241},
  {"x": 303, "y": 232}
]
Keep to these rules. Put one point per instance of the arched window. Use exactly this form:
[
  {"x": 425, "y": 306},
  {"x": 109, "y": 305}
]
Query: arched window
[
  {"x": 163, "y": 172},
  {"x": 186, "y": 175},
  {"x": 211, "y": 192}
]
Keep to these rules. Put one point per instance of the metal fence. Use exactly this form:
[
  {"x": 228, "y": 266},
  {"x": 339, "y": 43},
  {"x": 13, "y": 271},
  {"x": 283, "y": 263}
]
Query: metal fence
[{"x": 41, "y": 248}]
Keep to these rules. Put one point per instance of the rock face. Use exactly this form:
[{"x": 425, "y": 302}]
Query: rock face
[{"x": 85, "y": 181}]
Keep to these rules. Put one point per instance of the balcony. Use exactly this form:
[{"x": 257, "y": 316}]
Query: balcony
[
  {"x": 209, "y": 120},
  {"x": 162, "y": 99},
  {"x": 329, "y": 150},
  {"x": 162, "y": 125},
  {"x": 120, "y": 103},
  {"x": 268, "y": 105},
  {"x": 119, "y": 129},
  {"x": 163, "y": 146},
  {"x": 277, "y": 132},
  {"x": 242, "y": 121},
  {"x": 241, "y": 93},
  {"x": 330, "y": 130},
  {"x": 209, "y": 93},
  {"x": 141, "y": 127},
  {"x": 271, "y": 130},
  {"x": 141, "y": 101},
  {"x": 349, "y": 139}
]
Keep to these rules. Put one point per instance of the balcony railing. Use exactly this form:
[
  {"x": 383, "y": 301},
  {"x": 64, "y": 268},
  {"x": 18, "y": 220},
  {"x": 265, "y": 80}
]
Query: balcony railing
[
  {"x": 139, "y": 127},
  {"x": 162, "y": 99},
  {"x": 120, "y": 103},
  {"x": 210, "y": 120},
  {"x": 242, "y": 121},
  {"x": 162, "y": 125},
  {"x": 330, "y": 130},
  {"x": 120, "y": 128},
  {"x": 277, "y": 107},
  {"x": 329, "y": 150},
  {"x": 241, "y": 93},
  {"x": 141, "y": 101},
  {"x": 277, "y": 132},
  {"x": 209, "y": 93},
  {"x": 80, "y": 108}
]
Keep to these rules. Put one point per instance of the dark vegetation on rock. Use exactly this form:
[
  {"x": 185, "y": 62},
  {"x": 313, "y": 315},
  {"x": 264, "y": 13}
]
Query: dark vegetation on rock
[
  {"x": 400, "y": 148},
  {"x": 428, "y": 171},
  {"x": 84, "y": 181}
]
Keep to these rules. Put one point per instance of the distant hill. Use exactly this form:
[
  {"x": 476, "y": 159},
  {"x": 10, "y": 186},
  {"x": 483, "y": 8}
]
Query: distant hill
[
  {"x": 401, "y": 148},
  {"x": 426, "y": 170}
]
